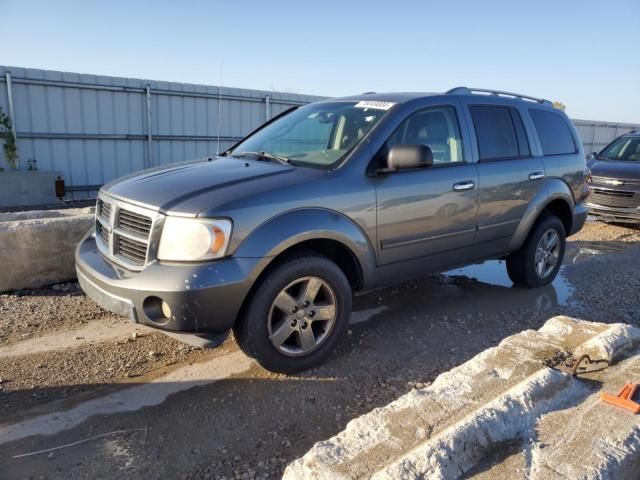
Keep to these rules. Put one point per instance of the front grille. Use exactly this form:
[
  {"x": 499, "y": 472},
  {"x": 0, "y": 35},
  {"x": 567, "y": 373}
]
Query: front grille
[
  {"x": 134, "y": 223},
  {"x": 614, "y": 181},
  {"x": 103, "y": 210},
  {"x": 131, "y": 249},
  {"x": 104, "y": 234},
  {"x": 126, "y": 242},
  {"x": 614, "y": 198}
]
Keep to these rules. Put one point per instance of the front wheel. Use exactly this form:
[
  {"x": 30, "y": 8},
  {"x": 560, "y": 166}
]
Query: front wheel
[
  {"x": 296, "y": 315},
  {"x": 538, "y": 261}
]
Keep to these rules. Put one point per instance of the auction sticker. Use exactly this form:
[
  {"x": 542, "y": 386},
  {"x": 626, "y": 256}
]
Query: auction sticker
[{"x": 374, "y": 104}]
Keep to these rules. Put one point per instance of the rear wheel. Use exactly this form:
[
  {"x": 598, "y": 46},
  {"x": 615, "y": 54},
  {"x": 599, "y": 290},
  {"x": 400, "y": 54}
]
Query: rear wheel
[
  {"x": 537, "y": 262},
  {"x": 296, "y": 314}
]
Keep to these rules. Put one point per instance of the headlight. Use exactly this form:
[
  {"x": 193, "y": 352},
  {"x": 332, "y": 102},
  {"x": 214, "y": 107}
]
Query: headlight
[{"x": 189, "y": 239}]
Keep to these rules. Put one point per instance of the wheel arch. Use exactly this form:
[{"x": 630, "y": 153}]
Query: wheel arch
[
  {"x": 326, "y": 232},
  {"x": 555, "y": 199}
]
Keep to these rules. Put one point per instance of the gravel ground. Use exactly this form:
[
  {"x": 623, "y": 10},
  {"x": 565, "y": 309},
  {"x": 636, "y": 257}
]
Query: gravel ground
[
  {"x": 89, "y": 370},
  {"x": 252, "y": 424},
  {"x": 29, "y": 313}
]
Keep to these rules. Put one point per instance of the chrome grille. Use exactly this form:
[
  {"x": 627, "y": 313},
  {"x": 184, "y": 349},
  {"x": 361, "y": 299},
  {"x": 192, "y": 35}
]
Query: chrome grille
[
  {"x": 103, "y": 232},
  {"x": 131, "y": 249},
  {"x": 103, "y": 210},
  {"x": 614, "y": 198},
  {"x": 123, "y": 232},
  {"x": 614, "y": 181},
  {"x": 134, "y": 223}
]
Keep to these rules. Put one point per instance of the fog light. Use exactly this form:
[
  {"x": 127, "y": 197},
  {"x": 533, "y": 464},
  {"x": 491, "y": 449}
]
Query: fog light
[
  {"x": 156, "y": 310},
  {"x": 166, "y": 309}
]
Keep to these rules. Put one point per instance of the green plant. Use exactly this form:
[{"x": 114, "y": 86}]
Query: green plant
[{"x": 10, "y": 147}]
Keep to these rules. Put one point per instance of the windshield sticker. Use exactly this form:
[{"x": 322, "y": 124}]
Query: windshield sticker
[{"x": 376, "y": 105}]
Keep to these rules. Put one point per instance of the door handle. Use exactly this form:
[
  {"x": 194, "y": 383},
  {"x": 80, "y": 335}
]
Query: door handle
[
  {"x": 536, "y": 176},
  {"x": 462, "y": 186}
]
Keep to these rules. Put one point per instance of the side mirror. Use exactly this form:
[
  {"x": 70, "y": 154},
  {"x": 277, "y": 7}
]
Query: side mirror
[
  {"x": 591, "y": 156},
  {"x": 403, "y": 157}
]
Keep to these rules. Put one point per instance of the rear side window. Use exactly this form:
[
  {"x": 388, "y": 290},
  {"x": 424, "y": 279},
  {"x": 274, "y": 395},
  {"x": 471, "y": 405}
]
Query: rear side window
[
  {"x": 499, "y": 132},
  {"x": 553, "y": 131}
]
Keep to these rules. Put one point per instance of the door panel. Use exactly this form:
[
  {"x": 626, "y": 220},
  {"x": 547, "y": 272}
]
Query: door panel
[
  {"x": 420, "y": 213},
  {"x": 505, "y": 193},
  {"x": 509, "y": 175},
  {"x": 430, "y": 210}
]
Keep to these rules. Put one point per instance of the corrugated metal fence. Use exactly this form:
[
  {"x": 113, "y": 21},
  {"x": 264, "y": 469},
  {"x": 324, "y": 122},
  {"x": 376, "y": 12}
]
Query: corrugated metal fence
[
  {"x": 597, "y": 135},
  {"x": 95, "y": 128}
]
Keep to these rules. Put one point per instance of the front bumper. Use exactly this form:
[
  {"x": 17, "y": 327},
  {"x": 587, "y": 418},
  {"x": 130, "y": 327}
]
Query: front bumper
[
  {"x": 611, "y": 214},
  {"x": 203, "y": 297}
]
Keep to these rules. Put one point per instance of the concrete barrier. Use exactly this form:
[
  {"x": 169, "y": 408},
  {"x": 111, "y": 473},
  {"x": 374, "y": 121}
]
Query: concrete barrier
[
  {"x": 24, "y": 187},
  {"x": 37, "y": 247},
  {"x": 510, "y": 412}
]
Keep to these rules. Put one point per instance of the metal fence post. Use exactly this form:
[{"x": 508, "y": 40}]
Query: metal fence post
[
  {"x": 12, "y": 116},
  {"x": 149, "y": 137},
  {"x": 267, "y": 107}
]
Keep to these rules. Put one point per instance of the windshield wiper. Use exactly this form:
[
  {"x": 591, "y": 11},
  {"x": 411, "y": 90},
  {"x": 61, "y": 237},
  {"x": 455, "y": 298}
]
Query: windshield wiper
[{"x": 264, "y": 156}]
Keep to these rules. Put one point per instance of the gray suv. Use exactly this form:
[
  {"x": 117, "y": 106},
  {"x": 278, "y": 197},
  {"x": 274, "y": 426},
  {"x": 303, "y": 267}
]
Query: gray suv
[{"x": 273, "y": 237}]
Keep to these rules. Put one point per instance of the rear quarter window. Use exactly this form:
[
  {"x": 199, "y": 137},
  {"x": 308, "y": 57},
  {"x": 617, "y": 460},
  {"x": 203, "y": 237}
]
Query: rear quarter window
[
  {"x": 499, "y": 132},
  {"x": 553, "y": 132}
]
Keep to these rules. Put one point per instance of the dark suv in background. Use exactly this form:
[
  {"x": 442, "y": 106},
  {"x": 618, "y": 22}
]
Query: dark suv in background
[
  {"x": 615, "y": 180},
  {"x": 271, "y": 238}
]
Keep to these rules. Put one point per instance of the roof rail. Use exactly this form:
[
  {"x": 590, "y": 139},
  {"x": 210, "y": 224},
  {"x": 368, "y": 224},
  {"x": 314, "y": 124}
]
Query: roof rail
[{"x": 499, "y": 93}]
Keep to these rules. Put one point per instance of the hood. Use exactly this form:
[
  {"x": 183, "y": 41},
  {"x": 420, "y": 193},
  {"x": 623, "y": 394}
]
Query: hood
[
  {"x": 190, "y": 187},
  {"x": 623, "y": 170}
]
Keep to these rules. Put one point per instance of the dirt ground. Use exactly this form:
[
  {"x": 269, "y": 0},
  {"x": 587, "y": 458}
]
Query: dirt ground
[{"x": 78, "y": 373}]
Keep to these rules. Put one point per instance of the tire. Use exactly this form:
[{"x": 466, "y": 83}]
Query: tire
[
  {"x": 522, "y": 267},
  {"x": 272, "y": 315}
]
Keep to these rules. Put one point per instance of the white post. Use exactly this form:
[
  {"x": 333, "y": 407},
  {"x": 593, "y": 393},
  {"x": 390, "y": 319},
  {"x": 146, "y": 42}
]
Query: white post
[
  {"x": 12, "y": 115},
  {"x": 149, "y": 136},
  {"x": 267, "y": 107}
]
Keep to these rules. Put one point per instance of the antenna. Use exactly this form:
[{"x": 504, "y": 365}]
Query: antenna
[{"x": 219, "y": 103}]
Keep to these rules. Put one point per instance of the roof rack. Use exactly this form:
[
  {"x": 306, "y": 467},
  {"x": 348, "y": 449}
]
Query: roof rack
[{"x": 499, "y": 93}]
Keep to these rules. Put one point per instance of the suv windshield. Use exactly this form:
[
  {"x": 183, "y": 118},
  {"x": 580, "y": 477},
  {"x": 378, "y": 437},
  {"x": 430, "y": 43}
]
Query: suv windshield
[
  {"x": 623, "y": 148},
  {"x": 316, "y": 135}
]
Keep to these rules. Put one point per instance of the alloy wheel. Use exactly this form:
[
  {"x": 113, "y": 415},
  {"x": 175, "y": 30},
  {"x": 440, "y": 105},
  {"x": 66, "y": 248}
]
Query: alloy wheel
[
  {"x": 302, "y": 316},
  {"x": 547, "y": 253}
]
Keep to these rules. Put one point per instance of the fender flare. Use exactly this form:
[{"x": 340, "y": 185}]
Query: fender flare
[
  {"x": 553, "y": 189},
  {"x": 296, "y": 226}
]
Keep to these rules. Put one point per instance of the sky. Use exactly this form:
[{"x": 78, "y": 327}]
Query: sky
[{"x": 582, "y": 53}]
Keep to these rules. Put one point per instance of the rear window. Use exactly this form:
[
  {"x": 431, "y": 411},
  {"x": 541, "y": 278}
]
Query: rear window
[
  {"x": 553, "y": 131},
  {"x": 498, "y": 130}
]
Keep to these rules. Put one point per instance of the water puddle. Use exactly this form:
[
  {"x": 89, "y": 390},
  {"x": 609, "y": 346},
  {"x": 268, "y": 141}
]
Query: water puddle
[
  {"x": 494, "y": 272},
  {"x": 579, "y": 251},
  {"x": 475, "y": 290}
]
